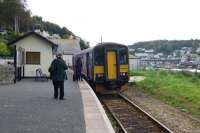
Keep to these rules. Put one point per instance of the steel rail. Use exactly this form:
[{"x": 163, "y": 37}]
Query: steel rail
[
  {"x": 115, "y": 117},
  {"x": 150, "y": 116}
]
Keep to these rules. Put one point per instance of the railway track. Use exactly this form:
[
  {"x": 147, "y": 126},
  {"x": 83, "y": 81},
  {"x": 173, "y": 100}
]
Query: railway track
[{"x": 130, "y": 117}]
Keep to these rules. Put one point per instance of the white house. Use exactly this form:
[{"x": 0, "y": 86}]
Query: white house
[
  {"x": 32, "y": 51},
  {"x": 141, "y": 55},
  {"x": 134, "y": 63}
]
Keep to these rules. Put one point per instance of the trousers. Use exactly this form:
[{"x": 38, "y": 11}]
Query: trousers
[{"x": 60, "y": 85}]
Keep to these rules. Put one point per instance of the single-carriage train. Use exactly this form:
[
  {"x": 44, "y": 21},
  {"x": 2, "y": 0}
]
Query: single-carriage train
[{"x": 105, "y": 66}]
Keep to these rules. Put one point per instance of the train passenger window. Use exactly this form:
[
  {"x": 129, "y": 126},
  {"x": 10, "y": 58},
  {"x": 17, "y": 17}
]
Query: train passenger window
[
  {"x": 123, "y": 56},
  {"x": 99, "y": 56}
]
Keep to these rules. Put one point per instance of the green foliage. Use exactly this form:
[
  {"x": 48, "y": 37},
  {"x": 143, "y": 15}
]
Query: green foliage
[
  {"x": 165, "y": 46},
  {"x": 10, "y": 9},
  {"x": 65, "y": 36},
  {"x": 51, "y": 27},
  {"x": 10, "y": 36},
  {"x": 83, "y": 44},
  {"x": 137, "y": 73},
  {"x": 4, "y": 50},
  {"x": 176, "y": 89}
]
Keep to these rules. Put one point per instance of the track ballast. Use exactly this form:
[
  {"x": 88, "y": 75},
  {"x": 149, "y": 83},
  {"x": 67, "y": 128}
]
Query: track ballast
[{"x": 130, "y": 117}]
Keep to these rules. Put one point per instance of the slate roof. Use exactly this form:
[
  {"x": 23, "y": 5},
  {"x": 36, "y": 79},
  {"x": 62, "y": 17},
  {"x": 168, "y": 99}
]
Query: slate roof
[
  {"x": 67, "y": 46},
  {"x": 32, "y": 33}
]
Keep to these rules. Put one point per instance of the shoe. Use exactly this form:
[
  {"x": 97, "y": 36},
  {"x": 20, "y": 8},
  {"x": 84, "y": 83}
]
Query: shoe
[
  {"x": 61, "y": 98},
  {"x": 55, "y": 97}
]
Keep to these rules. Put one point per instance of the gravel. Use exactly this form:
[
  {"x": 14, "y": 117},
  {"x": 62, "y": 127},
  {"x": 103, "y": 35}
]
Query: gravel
[{"x": 176, "y": 120}]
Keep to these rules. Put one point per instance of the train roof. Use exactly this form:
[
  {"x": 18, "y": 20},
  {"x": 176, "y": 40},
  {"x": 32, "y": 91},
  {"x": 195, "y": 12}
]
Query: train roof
[{"x": 101, "y": 45}]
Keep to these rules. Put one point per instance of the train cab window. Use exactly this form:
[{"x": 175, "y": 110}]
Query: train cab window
[
  {"x": 123, "y": 56},
  {"x": 99, "y": 56}
]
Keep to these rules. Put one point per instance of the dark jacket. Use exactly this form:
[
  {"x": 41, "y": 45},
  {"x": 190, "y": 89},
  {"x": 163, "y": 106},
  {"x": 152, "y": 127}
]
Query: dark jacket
[
  {"x": 79, "y": 66},
  {"x": 57, "y": 69}
]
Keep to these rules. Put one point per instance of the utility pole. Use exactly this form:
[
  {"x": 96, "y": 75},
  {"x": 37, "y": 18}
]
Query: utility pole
[{"x": 17, "y": 24}]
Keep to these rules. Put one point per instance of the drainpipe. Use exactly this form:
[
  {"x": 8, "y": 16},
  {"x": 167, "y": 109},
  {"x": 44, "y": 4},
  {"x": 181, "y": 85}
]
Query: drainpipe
[{"x": 15, "y": 64}]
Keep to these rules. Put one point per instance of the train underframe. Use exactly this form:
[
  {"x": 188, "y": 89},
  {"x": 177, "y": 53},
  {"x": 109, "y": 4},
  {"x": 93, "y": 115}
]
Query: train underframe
[{"x": 109, "y": 87}]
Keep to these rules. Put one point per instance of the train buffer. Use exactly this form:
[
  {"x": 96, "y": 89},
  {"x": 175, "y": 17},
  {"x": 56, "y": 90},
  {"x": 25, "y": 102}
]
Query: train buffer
[{"x": 28, "y": 106}]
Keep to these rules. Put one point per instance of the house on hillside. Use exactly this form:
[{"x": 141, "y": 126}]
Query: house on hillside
[
  {"x": 134, "y": 63},
  {"x": 68, "y": 47},
  {"x": 33, "y": 51}
]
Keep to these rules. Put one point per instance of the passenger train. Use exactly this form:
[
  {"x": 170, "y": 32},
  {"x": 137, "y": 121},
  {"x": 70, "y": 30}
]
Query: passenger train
[{"x": 105, "y": 66}]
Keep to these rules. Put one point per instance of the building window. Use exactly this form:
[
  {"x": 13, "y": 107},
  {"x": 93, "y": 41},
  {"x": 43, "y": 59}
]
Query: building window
[{"x": 33, "y": 58}]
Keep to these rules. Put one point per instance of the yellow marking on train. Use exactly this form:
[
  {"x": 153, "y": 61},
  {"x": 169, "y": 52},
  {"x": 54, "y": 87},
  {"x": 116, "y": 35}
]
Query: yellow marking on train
[
  {"x": 98, "y": 69},
  {"x": 123, "y": 68},
  {"x": 111, "y": 61}
]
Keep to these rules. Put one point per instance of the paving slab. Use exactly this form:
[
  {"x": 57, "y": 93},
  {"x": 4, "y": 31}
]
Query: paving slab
[
  {"x": 28, "y": 107},
  {"x": 96, "y": 120}
]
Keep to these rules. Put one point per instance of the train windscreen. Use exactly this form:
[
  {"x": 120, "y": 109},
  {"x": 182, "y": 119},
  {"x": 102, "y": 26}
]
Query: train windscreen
[
  {"x": 123, "y": 56},
  {"x": 99, "y": 56}
]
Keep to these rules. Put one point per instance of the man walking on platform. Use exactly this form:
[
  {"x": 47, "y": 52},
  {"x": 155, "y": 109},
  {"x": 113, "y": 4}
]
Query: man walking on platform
[{"x": 57, "y": 74}]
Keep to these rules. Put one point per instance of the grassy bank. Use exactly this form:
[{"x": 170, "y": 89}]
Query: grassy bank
[{"x": 177, "y": 89}]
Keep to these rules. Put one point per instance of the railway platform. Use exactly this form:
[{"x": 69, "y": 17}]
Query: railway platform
[{"x": 29, "y": 107}]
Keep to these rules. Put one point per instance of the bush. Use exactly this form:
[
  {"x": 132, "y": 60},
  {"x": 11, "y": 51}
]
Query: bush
[
  {"x": 4, "y": 50},
  {"x": 137, "y": 73}
]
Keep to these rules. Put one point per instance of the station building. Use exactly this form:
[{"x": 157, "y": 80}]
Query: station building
[{"x": 33, "y": 51}]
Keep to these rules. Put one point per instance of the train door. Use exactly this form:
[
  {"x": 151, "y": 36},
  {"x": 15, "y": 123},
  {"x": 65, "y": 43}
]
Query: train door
[
  {"x": 87, "y": 63},
  {"x": 111, "y": 65}
]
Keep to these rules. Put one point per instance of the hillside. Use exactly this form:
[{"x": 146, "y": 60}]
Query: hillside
[
  {"x": 165, "y": 46},
  {"x": 16, "y": 19},
  {"x": 14, "y": 16}
]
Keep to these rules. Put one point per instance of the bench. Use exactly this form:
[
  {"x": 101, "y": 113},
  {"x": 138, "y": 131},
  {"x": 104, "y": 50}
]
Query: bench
[{"x": 40, "y": 76}]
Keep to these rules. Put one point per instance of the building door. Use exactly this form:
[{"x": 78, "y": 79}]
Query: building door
[{"x": 111, "y": 65}]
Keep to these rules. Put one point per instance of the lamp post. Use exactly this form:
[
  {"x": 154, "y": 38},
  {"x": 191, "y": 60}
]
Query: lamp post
[{"x": 198, "y": 63}]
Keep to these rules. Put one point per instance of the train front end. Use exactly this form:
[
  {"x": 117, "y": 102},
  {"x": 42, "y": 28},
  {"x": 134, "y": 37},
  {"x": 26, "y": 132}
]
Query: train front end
[{"x": 111, "y": 67}]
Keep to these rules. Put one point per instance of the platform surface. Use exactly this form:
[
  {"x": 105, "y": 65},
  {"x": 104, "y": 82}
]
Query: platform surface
[
  {"x": 29, "y": 107},
  {"x": 96, "y": 120}
]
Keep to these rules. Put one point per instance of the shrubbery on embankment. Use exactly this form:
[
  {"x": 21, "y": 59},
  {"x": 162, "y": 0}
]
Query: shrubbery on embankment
[{"x": 178, "y": 89}]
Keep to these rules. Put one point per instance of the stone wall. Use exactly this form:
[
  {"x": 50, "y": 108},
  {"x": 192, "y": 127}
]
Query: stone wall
[{"x": 6, "y": 74}]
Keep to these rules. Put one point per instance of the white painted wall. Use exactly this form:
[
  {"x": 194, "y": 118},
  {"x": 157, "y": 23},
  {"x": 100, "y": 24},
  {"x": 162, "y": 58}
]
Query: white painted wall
[
  {"x": 68, "y": 59},
  {"x": 5, "y": 61},
  {"x": 35, "y": 44},
  {"x": 134, "y": 64}
]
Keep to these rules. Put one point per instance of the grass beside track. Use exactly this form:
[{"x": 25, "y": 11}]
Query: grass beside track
[{"x": 177, "y": 89}]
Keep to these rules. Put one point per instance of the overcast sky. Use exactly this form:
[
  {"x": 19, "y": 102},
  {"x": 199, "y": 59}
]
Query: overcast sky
[{"x": 123, "y": 21}]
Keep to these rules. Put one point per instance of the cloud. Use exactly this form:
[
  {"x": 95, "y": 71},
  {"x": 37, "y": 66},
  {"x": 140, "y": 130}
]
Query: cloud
[{"x": 123, "y": 21}]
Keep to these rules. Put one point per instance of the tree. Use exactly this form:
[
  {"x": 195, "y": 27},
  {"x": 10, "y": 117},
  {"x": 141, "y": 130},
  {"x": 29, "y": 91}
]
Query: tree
[
  {"x": 83, "y": 44},
  {"x": 12, "y": 11},
  {"x": 65, "y": 36},
  {"x": 4, "y": 50}
]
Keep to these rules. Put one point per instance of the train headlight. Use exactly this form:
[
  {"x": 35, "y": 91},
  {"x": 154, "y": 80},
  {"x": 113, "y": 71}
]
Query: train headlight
[
  {"x": 99, "y": 76},
  {"x": 123, "y": 75}
]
